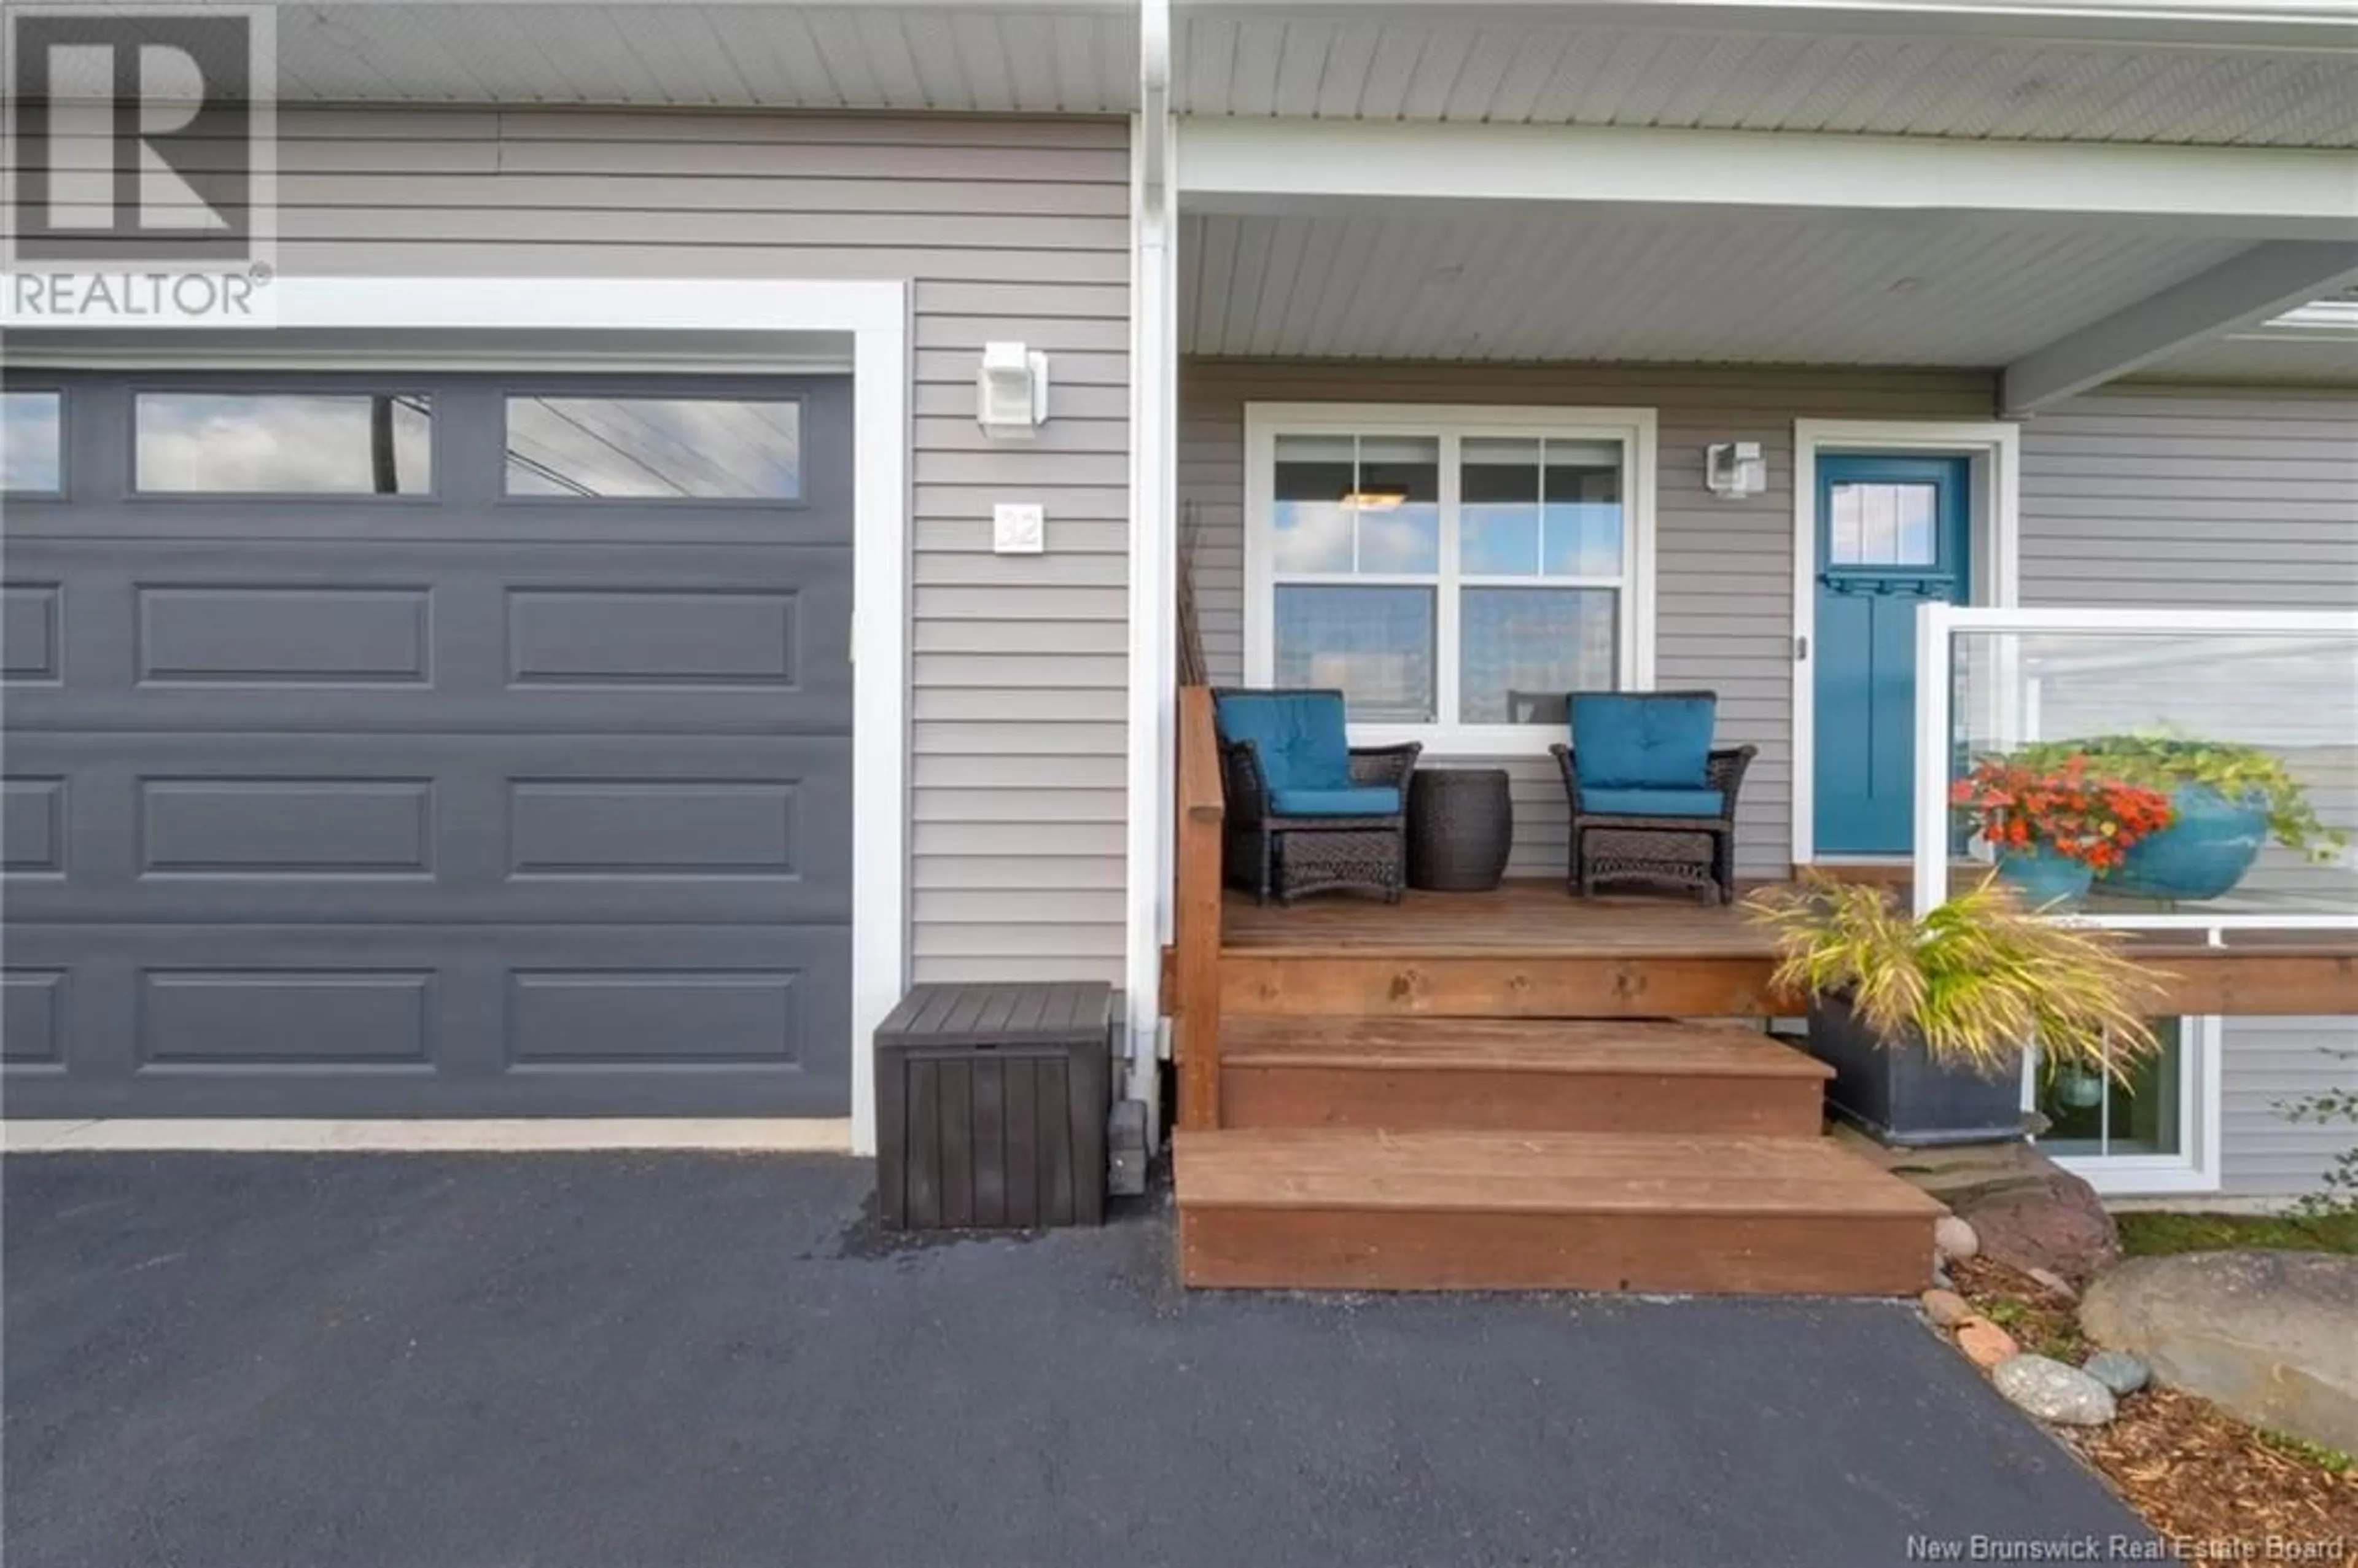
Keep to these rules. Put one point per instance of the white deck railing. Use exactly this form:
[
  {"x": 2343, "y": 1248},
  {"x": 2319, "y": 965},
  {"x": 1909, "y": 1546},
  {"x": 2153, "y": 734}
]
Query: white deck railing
[{"x": 1990, "y": 682}]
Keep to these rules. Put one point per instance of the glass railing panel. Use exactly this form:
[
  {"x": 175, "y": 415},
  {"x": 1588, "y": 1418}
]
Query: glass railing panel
[{"x": 2145, "y": 768}]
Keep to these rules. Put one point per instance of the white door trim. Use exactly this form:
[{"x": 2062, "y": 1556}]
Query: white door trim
[
  {"x": 1995, "y": 450},
  {"x": 718, "y": 318}
]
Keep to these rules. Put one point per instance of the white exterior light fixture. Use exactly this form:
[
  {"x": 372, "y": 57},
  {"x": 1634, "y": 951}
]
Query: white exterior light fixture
[
  {"x": 1735, "y": 469},
  {"x": 1011, "y": 391}
]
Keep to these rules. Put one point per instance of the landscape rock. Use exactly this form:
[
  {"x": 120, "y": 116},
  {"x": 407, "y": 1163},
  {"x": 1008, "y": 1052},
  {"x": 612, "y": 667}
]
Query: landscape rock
[
  {"x": 2050, "y": 1220},
  {"x": 2273, "y": 1337},
  {"x": 2051, "y": 1392},
  {"x": 1985, "y": 1344},
  {"x": 2118, "y": 1370},
  {"x": 1946, "y": 1308},
  {"x": 2054, "y": 1284},
  {"x": 1953, "y": 1238}
]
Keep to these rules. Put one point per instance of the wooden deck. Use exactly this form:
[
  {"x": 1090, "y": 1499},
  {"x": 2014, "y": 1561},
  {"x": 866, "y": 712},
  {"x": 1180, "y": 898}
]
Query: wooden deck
[
  {"x": 1323, "y": 1209},
  {"x": 1532, "y": 950},
  {"x": 1522, "y": 1089},
  {"x": 1534, "y": 916}
]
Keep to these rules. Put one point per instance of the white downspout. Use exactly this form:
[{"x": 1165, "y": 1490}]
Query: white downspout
[{"x": 1154, "y": 557}]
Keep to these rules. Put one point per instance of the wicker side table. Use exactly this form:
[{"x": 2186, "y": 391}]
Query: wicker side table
[{"x": 1461, "y": 828}]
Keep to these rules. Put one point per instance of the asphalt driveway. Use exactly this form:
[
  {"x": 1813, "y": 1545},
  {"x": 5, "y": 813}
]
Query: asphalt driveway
[{"x": 681, "y": 1360}]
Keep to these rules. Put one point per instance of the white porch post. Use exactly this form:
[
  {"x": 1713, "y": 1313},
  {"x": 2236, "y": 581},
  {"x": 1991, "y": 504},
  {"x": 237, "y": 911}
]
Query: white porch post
[
  {"x": 1933, "y": 620},
  {"x": 1153, "y": 555}
]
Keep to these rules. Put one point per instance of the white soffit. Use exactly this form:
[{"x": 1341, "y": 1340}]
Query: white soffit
[
  {"x": 2228, "y": 72},
  {"x": 1045, "y": 57},
  {"x": 1592, "y": 284},
  {"x": 2018, "y": 73}
]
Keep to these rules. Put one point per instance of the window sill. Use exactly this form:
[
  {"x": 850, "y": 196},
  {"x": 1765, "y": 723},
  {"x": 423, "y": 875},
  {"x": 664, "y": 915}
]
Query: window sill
[{"x": 2139, "y": 1175}]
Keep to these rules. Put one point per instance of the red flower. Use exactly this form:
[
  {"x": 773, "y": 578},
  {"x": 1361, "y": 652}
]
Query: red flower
[{"x": 2063, "y": 813}]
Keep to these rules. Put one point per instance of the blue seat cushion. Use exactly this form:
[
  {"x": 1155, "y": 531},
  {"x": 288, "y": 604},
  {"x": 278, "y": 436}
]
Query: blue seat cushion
[
  {"x": 1298, "y": 738},
  {"x": 1642, "y": 743},
  {"x": 1365, "y": 800},
  {"x": 1651, "y": 802}
]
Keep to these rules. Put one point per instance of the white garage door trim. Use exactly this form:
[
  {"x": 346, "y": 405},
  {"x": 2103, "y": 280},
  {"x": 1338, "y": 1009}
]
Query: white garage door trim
[{"x": 701, "y": 323}]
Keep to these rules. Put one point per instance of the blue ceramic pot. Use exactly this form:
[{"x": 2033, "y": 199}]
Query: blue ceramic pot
[
  {"x": 2043, "y": 878},
  {"x": 2209, "y": 845}
]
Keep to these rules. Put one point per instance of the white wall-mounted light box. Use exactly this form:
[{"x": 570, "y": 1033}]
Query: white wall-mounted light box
[
  {"x": 1735, "y": 469},
  {"x": 1011, "y": 389},
  {"x": 1019, "y": 528}
]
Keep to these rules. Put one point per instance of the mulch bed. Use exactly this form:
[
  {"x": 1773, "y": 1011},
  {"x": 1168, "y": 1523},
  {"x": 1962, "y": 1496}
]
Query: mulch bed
[
  {"x": 2197, "y": 1475},
  {"x": 2201, "y": 1476}
]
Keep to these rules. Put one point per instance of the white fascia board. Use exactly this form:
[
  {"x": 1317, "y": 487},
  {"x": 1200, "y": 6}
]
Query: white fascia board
[
  {"x": 2254, "y": 286},
  {"x": 1294, "y": 165}
]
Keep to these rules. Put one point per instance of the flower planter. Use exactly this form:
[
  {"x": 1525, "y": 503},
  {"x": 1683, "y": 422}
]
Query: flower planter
[
  {"x": 2044, "y": 879},
  {"x": 1899, "y": 1095},
  {"x": 2208, "y": 848}
]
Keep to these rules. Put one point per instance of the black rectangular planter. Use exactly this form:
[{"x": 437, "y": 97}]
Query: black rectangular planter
[{"x": 1899, "y": 1094}]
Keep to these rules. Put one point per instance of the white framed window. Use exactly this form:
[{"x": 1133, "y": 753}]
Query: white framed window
[
  {"x": 2155, "y": 1134},
  {"x": 1454, "y": 572}
]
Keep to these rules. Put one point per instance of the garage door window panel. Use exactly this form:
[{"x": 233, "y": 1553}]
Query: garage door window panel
[
  {"x": 32, "y": 443},
  {"x": 569, "y": 447},
  {"x": 373, "y": 444}
]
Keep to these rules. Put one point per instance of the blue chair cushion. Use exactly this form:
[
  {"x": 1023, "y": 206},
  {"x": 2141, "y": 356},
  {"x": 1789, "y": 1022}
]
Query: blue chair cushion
[
  {"x": 1642, "y": 743},
  {"x": 1299, "y": 739},
  {"x": 1652, "y": 802},
  {"x": 1365, "y": 800}
]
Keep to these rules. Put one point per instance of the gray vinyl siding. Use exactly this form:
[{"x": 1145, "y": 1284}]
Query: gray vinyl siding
[
  {"x": 2212, "y": 498},
  {"x": 1006, "y": 228},
  {"x": 2267, "y": 1062},
  {"x": 1723, "y": 570}
]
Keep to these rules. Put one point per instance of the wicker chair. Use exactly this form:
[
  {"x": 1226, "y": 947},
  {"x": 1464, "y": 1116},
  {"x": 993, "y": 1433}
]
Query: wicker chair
[
  {"x": 1269, "y": 851},
  {"x": 1692, "y": 848}
]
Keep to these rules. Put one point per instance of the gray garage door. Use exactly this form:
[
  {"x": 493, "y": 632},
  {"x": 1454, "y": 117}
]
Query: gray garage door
[{"x": 427, "y": 744}]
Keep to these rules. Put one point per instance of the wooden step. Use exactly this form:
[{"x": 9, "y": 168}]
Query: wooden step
[
  {"x": 1325, "y": 1208},
  {"x": 1516, "y": 1075}
]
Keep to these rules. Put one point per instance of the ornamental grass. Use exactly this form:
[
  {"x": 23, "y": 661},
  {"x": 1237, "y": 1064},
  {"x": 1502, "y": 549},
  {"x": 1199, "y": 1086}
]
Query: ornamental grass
[{"x": 1977, "y": 981}]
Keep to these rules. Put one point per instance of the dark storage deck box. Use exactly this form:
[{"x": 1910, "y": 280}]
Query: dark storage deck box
[{"x": 991, "y": 1104}]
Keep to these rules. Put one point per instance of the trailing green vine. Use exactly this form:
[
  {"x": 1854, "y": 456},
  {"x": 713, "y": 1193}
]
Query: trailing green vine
[
  {"x": 2337, "y": 1191},
  {"x": 2237, "y": 772}
]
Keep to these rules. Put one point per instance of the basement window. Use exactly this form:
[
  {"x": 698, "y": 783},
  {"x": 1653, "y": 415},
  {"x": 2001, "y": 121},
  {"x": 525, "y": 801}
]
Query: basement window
[{"x": 2153, "y": 1131}]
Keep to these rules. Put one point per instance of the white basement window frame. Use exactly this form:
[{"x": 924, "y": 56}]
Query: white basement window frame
[
  {"x": 2193, "y": 1094},
  {"x": 1633, "y": 430}
]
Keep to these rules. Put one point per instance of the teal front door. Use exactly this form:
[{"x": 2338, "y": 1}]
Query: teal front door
[{"x": 1892, "y": 532}]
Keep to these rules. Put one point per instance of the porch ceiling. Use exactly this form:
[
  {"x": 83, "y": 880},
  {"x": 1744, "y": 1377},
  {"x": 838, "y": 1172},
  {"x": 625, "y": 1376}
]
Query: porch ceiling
[
  {"x": 2257, "y": 72},
  {"x": 1603, "y": 283},
  {"x": 1894, "y": 70}
]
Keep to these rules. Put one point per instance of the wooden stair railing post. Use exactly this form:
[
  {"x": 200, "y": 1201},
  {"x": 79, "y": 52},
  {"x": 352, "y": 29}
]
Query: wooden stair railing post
[{"x": 1196, "y": 915}]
